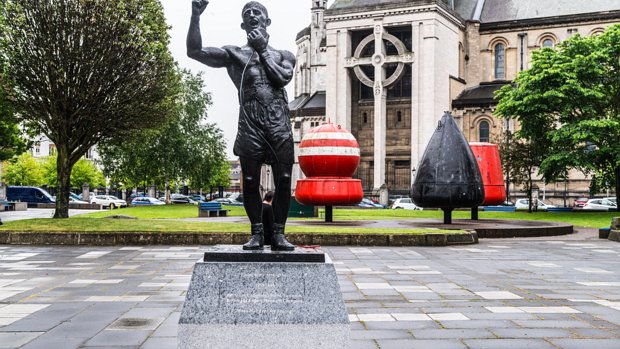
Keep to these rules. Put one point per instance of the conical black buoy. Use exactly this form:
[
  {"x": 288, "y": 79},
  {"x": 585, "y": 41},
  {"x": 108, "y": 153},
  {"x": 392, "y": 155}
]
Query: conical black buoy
[{"x": 448, "y": 176}]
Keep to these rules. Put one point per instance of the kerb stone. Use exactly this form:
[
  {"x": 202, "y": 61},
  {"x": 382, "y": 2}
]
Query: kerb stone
[{"x": 263, "y": 305}]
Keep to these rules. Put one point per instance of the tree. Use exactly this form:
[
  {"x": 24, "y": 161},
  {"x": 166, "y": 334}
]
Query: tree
[
  {"x": 571, "y": 96},
  {"x": 24, "y": 170},
  {"x": 521, "y": 159},
  {"x": 87, "y": 71},
  {"x": 187, "y": 148},
  {"x": 84, "y": 171},
  {"x": 12, "y": 142}
]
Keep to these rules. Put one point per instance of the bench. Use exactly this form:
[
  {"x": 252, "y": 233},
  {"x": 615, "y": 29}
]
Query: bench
[
  {"x": 499, "y": 208},
  {"x": 211, "y": 209}
]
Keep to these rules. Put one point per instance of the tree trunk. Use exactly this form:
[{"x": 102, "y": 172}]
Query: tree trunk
[
  {"x": 64, "y": 168},
  {"x": 529, "y": 192},
  {"x": 167, "y": 184},
  {"x": 617, "y": 186}
]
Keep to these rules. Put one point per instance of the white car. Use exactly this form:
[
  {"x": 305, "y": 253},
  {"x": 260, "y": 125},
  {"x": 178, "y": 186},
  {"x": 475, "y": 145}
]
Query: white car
[
  {"x": 406, "y": 204},
  {"x": 599, "y": 204},
  {"x": 108, "y": 201},
  {"x": 523, "y": 204}
]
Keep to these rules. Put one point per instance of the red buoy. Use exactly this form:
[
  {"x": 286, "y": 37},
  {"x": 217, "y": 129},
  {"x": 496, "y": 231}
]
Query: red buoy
[
  {"x": 329, "y": 156},
  {"x": 487, "y": 156}
]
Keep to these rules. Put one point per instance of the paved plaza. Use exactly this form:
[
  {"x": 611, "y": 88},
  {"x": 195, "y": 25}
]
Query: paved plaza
[{"x": 529, "y": 293}]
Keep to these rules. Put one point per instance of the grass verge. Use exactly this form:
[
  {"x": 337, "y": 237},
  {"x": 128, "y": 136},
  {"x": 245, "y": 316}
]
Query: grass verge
[
  {"x": 582, "y": 219},
  {"x": 80, "y": 224}
]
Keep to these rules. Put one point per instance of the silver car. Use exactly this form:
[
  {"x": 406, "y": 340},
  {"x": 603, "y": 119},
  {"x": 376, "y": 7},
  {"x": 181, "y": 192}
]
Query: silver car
[{"x": 599, "y": 205}]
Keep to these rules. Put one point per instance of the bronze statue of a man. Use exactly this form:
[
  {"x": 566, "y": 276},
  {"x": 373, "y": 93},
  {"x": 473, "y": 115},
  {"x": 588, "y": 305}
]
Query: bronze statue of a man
[{"x": 260, "y": 73}]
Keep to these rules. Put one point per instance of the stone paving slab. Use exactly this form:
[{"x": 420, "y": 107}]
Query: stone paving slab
[{"x": 530, "y": 293}]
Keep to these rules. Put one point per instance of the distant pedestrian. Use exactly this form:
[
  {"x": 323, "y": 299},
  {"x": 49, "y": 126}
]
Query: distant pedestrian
[
  {"x": 535, "y": 204},
  {"x": 268, "y": 217}
]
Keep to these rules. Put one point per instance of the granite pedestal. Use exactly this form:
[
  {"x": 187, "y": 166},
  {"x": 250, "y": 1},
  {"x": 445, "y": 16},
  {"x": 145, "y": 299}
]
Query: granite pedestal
[{"x": 263, "y": 299}]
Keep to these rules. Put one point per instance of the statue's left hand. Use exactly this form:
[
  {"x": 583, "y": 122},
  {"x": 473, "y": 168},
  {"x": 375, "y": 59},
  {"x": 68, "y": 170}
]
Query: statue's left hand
[{"x": 259, "y": 39}]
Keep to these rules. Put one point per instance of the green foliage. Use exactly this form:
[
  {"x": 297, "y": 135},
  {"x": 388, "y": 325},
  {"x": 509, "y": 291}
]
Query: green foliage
[
  {"x": 83, "y": 72},
  {"x": 186, "y": 148},
  {"x": 23, "y": 170},
  {"x": 570, "y": 100},
  {"x": 84, "y": 171},
  {"x": 12, "y": 140},
  {"x": 521, "y": 159}
]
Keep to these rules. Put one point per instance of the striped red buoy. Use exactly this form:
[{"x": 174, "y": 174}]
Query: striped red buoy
[
  {"x": 329, "y": 151},
  {"x": 329, "y": 156}
]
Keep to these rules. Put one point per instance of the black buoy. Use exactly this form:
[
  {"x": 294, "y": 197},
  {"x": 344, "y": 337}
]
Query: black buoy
[{"x": 448, "y": 176}]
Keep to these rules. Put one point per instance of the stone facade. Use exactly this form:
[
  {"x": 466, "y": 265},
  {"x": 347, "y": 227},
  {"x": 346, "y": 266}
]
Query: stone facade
[{"x": 437, "y": 55}]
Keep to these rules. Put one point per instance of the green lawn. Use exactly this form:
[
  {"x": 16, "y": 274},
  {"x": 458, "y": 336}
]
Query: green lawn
[
  {"x": 164, "y": 212},
  {"x": 80, "y": 224},
  {"x": 582, "y": 219}
]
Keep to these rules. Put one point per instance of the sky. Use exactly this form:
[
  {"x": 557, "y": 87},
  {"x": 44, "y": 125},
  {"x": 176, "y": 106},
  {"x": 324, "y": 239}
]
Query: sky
[{"x": 220, "y": 25}]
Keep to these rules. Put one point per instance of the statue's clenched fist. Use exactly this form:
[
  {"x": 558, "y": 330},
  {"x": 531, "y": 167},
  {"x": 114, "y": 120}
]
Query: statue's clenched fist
[
  {"x": 259, "y": 39},
  {"x": 199, "y": 6}
]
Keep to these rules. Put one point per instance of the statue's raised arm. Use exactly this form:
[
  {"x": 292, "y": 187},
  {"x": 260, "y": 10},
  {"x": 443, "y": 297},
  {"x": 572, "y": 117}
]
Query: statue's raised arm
[{"x": 211, "y": 56}]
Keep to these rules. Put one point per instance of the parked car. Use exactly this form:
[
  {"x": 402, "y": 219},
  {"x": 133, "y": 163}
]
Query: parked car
[
  {"x": 405, "y": 203},
  {"x": 228, "y": 202},
  {"x": 599, "y": 204},
  {"x": 523, "y": 204},
  {"x": 368, "y": 203},
  {"x": 579, "y": 202},
  {"x": 507, "y": 203},
  {"x": 197, "y": 197},
  {"x": 34, "y": 195},
  {"x": 146, "y": 201},
  {"x": 181, "y": 199},
  {"x": 108, "y": 201},
  {"x": 90, "y": 197},
  {"x": 75, "y": 199},
  {"x": 136, "y": 195},
  {"x": 612, "y": 199},
  {"x": 393, "y": 198}
]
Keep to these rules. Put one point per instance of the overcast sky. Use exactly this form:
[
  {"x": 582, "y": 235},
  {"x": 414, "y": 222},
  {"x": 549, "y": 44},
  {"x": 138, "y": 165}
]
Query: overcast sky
[{"x": 220, "y": 25}]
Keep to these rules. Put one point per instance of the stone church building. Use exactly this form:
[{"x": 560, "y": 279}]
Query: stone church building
[{"x": 388, "y": 69}]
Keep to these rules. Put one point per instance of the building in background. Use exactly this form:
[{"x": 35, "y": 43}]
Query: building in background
[{"x": 388, "y": 69}]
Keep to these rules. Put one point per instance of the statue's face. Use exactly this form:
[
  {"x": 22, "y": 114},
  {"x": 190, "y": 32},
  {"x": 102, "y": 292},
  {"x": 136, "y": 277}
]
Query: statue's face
[{"x": 254, "y": 18}]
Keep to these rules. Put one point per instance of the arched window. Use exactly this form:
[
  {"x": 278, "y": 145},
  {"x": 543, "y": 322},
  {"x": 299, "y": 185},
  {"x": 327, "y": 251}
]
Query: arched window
[
  {"x": 547, "y": 43},
  {"x": 483, "y": 129},
  {"x": 500, "y": 62}
]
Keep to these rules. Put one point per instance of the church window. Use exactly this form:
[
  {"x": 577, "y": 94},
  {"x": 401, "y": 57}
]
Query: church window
[
  {"x": 500, "y": 62},
  {"x": 483, "y": 131},
  {"x": 365, "y": 118},
  {"x": 399, "y": 116},
  {"x": 547, "y": 43},
  {"x": 597, "y": 32}
]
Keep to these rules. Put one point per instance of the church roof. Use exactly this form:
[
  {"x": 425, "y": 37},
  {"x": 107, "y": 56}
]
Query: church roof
[
  {"x": 355, "y": 4},
  {"x": 515, "y": 10},
  {"x": 303, "y": 32},
  {"x": 482, "y": 95},
  {"x": 465, "y": 8},
  {"x": 305, "y": 101}
]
